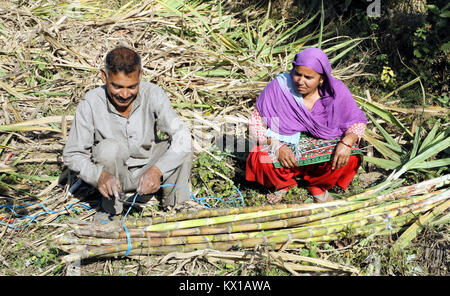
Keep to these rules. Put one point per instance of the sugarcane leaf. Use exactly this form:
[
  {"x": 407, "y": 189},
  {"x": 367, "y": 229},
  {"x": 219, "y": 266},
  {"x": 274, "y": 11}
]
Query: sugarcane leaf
[
  {"x": 430, "y": 137},
  {"x": 408, "y": 84},
  {"x": 393, "y": 143},
  {"x": 383, "y": 113},
  {"x": 6, "y": 168},
  {"x": 442, "y": 220},
  {"x": 42, "y": 120},
  {"x": 344, "y": 52},
  {"x": 6, "y": 185},
  {"x": 432, "y": 164},
  {"x": 443, "y": 135},
  {"x": 416, "y": 143},
  {"x": 294, "y": 29},
  {"x": 31, "y": 177},
  {"x": 382, "y": 148},
  {"x": 20, "y": 128},
  {"x": 322, "y": 18},
  {"x": 250, "y": 44},
  {"x": 260, "y": 46},
  {"x": 338, "y": 45},
  {"x": 214, "y": 72},
  {"x": 121, "y": 9},
  {"x": 383, "y": 163},
  {"x": 433, "y": 150},
  {"x": 417, "y": 227},
  {"x": 228, "y": 43}
]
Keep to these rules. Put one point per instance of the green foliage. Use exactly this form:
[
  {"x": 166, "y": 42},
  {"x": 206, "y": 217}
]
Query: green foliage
[
  {"x": 442, "y": 100},
  {"x": 274, "y": 271},
  {"x": 211, "y": 176},
  {"x": 310, "y": 250},
  {"x": 419, "y": 154},
  {"x": 39, "y": 74},
  {"x": 410, "y": 37},
  {"x": 297, "y": 195},
  {"x": 387, "y": 76},
  {"x": 255, "y": 46},
  {"x": 430, "y": 44},
  {"x": 42, "y": 259}
]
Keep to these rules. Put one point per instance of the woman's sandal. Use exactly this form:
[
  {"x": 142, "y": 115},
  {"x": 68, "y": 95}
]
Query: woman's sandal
[
  {"x": 276, "y": 196},
  {"x": 325, "y": 197}
]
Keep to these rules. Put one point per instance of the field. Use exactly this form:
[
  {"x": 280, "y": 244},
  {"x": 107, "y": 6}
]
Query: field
[{"x": 213, "y": 58}]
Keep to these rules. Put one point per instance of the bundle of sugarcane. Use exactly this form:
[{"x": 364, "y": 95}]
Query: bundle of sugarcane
[{"x": 382, "y": 210}]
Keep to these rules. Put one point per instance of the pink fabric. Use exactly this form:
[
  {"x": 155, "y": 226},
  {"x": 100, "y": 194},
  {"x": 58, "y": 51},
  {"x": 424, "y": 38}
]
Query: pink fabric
[
  {"x": 257, "y": 128},
  {"x": 319, "y": 177},
  {"x": 332, "y": 114}
]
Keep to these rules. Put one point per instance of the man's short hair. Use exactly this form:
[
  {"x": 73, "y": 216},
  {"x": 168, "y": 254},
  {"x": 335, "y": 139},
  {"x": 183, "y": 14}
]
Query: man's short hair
[{"x": 122, "y": 59}]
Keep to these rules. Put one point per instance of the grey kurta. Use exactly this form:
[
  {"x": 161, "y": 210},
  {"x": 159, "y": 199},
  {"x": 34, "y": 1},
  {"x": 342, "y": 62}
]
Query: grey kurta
[{"x": 97, "y": 119}]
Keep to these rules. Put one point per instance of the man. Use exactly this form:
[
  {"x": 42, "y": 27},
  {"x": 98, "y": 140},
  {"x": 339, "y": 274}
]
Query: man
[{"x": 113, "y": 143}]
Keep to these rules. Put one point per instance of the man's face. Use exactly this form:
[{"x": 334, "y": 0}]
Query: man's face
[{"x": 122, "y": 88}]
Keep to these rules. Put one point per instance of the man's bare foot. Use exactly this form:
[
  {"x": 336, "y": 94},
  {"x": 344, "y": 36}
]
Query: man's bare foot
[
  {"x": 276, "y": 196},
  {"x": 324, "y": 197}
]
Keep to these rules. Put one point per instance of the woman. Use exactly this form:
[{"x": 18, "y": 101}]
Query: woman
[{"x": 307, "y": 125}]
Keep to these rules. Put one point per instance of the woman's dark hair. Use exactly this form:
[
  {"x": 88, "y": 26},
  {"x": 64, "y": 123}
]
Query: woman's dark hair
[{"x": 122, "y": 59}]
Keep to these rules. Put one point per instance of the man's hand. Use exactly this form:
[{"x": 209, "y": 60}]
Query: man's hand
[
  {"x": 342, "y": 152},
  {"x": 150, "y": 181},
  {"x": 287, "y": 157},
  {"x": 108, "y": 185}
]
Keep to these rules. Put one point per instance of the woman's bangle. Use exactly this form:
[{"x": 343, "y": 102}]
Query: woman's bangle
[{"x": 349, "y": 146}]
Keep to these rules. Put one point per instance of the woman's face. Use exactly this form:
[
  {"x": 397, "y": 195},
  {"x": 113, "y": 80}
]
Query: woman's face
[{"x": 306, "y": 80}]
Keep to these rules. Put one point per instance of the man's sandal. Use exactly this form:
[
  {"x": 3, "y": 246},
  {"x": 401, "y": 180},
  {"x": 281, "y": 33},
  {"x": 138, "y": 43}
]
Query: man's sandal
[
  {"x": 276, "y": 196},
  {"x": 325, "y": 197}
]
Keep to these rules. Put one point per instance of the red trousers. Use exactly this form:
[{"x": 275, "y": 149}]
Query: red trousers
[{"x": 318, "y": 177}]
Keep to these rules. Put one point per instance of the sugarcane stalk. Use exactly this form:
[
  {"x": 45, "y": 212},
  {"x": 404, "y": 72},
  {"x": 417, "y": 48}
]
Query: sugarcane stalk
[
  {"x": 213, "y": 229},
  {"x": 379, "y": 230},
  {"x": 418, "y": 200},
  {"x": 217, "y": 220},
  {"x": 74, "y": 248},
  {"x": 375, "y": 191},
  {"x": 135, "y": 231},
  {"x": 419, "y": 188},
  {"x": 307, "y": 209},
  {"x": 209, "y": 241},
  {"x": 360, "y": 227},
  {"x": 209, "y": 213},
  {"x": 321, "y": 217},
  {"x": 231, "y": 236},
  {"x": 70, "y": 240}
]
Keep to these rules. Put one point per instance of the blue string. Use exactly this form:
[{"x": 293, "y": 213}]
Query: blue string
[
  {"x": 198, "y": 200},
  {"x": 88, "y": 208},
  {"x": 125, "y": 227},
  {"x": 46, "y": 211}
]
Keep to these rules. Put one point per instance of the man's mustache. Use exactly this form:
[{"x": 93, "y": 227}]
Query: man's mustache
[{"x": 120, "y": 98}]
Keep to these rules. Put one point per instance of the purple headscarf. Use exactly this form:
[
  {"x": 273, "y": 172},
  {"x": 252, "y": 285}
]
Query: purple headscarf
[{"x": 331, "y": 115}]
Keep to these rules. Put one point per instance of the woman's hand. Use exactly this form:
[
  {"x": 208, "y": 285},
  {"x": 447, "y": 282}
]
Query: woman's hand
[
  {"x": 287, "y": 157},
  {"x": 342, "y": 152}
]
